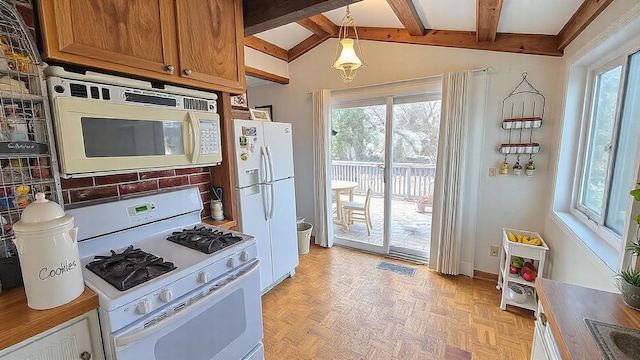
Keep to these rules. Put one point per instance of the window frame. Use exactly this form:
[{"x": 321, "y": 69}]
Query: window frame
[{"x": 594, "y": 222}]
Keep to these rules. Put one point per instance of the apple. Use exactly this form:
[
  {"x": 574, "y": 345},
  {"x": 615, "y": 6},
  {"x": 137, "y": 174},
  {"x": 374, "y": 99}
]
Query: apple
[
  {"x": 529, "y": 275},
  {"x": 513, "y": 269},
  {"x": 529, "y": 264}
]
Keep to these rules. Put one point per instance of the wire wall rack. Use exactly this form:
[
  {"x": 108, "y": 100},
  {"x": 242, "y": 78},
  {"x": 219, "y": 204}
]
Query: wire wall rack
[
  {"x": 28, "y": 162},
  {"x": 522, "y": 112}
]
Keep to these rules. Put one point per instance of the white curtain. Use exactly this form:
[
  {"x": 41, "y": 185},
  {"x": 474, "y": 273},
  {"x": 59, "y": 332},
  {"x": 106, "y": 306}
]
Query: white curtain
[
  {"x": 321, "y": 152},
  {"x": 447, "y": 222}
]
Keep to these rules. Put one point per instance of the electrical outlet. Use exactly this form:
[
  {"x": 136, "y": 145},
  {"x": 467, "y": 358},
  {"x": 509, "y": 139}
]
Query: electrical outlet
[
  {"x": 494, "y": 250},
  {"x": 493, "y": 172}
]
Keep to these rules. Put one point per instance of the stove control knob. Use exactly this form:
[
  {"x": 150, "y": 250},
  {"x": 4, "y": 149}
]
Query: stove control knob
[
  {"x": 166, "y": 295},
  {"x": 244, "y": 256},
  {"x": 231, "y": 262},
  {"x": 203, "y": 277},
  {"x": 144, "y": 307}
]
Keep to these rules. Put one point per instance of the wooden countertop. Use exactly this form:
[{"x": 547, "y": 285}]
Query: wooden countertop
[
  {"x": 566, "y": 306},
  {"x": 19, "y": 322},
  {"x": 224, "y": 224}
]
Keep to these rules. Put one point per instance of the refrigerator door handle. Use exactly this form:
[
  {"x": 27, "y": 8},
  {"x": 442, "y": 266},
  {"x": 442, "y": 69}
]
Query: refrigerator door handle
[
  {"x": 273, "y": 201},
  {"x": 265, "y": 203},
  {"x": 263, "y": 164},
  {"x": 270, "y": 158}
]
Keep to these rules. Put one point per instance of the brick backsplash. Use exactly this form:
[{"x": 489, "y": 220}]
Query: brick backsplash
[{"x": 115, "y": 186}]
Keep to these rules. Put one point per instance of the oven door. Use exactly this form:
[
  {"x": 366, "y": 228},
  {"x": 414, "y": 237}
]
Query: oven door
[
  {"x": 224, "y": 324},
  {"x": 107, "y": 137}
]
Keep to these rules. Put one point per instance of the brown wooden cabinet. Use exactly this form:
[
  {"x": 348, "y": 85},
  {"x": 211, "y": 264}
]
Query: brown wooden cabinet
[{"x": 186, "y": 42}]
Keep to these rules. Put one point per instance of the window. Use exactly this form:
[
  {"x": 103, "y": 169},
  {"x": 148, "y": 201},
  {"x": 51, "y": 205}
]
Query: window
[{"x": 611, "y": 147}]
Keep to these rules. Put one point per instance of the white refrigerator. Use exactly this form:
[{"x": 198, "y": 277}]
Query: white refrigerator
[{"x": 266, "y": 195}]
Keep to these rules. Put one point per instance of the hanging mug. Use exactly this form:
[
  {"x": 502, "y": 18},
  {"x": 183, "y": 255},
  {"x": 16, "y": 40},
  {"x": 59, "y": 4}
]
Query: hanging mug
[
  {"x": 504, "y": 168},
  {"x": 530, "y": 169},
  {"x": 517, "y": 168}
]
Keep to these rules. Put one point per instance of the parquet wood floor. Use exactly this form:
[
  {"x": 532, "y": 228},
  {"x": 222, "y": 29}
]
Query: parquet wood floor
[{"x": 338, "y": 306}]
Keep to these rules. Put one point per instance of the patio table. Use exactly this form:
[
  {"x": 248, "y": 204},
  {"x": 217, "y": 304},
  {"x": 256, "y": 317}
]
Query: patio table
[{"x": 339, "y": 187}]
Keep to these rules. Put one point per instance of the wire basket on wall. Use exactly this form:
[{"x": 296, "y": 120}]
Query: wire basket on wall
[{"x": 27, "y": 154}]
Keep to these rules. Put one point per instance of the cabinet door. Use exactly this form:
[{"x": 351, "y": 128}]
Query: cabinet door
[
  {"x": 210, "y": 42},
  {"x": 137, "y": 34},
  {"x": 75, "y": 339},
  {"x": 538, "y": 350}
]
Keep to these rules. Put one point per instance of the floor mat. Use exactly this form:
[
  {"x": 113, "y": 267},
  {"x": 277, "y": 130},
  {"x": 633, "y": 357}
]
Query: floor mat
[{"x": 400, "y": 269}]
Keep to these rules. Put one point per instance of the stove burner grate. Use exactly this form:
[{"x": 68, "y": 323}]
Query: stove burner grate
[
  {"x": 204, "y": 239},
  {"x": 129, "y": 268}
]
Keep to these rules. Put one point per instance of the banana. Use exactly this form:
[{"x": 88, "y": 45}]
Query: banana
[
  {"x": 537, "y": 242},
  {"x": 525, "y": 240},
  {"x": 519, "y": 238},
  {"x": 511, "y": 236}
]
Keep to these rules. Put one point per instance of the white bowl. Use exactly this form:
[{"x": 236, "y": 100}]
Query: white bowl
[{"x": 517, "y": 294}]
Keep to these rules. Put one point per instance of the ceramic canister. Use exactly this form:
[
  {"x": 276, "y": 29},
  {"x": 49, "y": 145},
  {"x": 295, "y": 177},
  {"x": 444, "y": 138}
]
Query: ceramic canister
[{"x": 46, "y": 240}]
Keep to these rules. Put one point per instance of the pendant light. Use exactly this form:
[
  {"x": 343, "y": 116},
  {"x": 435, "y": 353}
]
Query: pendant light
[{"x": 348, "y": 57}]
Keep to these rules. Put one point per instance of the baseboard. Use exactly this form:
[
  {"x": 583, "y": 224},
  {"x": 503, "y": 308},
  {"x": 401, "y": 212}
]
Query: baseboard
[
  {"x": 481, "y": 275},
  {"x": 466, "y": 269}
]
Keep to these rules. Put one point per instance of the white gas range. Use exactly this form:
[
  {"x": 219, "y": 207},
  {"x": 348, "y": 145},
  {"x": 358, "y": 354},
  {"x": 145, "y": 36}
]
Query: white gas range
[{"x": 161, "y": 299}]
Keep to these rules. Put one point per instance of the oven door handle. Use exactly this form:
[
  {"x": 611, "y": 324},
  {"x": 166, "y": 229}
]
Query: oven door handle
[
  {"x": 194, "y": 125},
  {"x": 134, "y": 337}
]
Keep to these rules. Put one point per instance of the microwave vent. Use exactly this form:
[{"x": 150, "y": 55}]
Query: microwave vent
[
  {"x": 195, "y": 104},
  {"x": 78, "y": 90}
]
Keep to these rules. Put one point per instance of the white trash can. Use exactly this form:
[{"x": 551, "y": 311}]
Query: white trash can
[{"x": 304, "y": 237}]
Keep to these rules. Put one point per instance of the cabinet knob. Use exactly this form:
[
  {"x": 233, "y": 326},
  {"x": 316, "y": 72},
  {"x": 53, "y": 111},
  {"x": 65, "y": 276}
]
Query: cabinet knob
[
  {"x": 170, "y": 69},
  {"x": 85, "y": 355},
  {"x": 543, "y": 319},
  {"x": 187, "y": 72}
]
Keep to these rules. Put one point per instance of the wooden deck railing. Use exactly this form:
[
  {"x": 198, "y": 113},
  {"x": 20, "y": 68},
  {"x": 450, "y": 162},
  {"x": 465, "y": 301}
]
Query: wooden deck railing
[{"x": 409, "y": 181}]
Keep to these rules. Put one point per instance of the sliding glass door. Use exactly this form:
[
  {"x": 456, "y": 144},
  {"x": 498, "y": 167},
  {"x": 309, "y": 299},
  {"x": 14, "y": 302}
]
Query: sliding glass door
[
  {"x": 414, "y": 146},
  {"x": 358, "y": 148},
  {"x": 383, "y": 170}
]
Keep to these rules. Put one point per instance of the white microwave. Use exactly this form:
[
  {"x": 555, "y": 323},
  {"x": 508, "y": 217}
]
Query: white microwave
[{"x": 106, "y": 125}]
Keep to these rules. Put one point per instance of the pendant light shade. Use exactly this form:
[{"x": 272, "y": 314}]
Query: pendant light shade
[{"x": 348, "y": 57}]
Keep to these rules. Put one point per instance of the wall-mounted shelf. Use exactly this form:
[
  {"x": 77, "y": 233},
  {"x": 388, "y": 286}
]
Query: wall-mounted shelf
[
  {"x": 28, "y": 162},
  {"x": 522, "y": 123},
  {"x": 522, "y": 112},
  {"x": 524, "y": 148}
]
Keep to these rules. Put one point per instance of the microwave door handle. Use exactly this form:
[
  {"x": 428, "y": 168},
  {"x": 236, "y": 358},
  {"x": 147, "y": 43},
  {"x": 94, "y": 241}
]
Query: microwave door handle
[
  {"x": 132, "y": 338},
  {"x": 194, "y": 126}
]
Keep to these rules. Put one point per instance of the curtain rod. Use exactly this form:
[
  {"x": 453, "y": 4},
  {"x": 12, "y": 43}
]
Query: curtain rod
[{"x": 487, "y": 69}]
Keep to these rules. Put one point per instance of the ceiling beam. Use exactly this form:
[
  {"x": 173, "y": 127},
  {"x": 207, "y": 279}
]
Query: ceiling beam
[
  {"x": 408, "y": 16},
  {"x": 311, "y": 26},
  {"x": 305, "y": 46},
  {"x": 319, "y": 25},
  {"x": 266, "y": 47},
  {"x": 487, "y": 18},
  {"x": 261, "y": 74},
  {"x": 515, "y": 43},
  {"x": 263, "y": 15},
  {"x": 585, "y": 14}
]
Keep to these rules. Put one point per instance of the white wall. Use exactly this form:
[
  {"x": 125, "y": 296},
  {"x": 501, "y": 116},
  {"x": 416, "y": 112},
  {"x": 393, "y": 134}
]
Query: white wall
[
  {"x": 261, "y": 61},
  {"x": 571, "y": 260},
  {"x": 516, "y": 202}
]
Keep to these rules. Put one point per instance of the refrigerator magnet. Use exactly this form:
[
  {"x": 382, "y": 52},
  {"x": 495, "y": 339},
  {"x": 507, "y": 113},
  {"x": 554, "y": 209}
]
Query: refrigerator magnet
[
  {"x": 249, "y": 131},
  {"x": 243, "y": 142},
  {"x": 244, "y": 156}
]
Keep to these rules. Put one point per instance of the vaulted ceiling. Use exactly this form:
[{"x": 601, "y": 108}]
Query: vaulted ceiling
[{"x": 287, "y": 29}]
